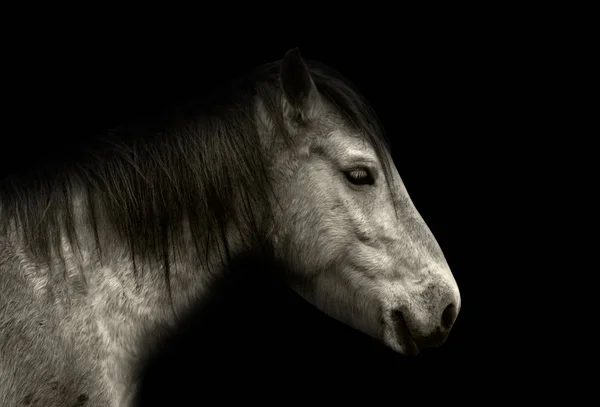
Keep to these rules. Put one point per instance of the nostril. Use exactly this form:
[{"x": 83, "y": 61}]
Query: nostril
[{"x": 449, "y": 316}]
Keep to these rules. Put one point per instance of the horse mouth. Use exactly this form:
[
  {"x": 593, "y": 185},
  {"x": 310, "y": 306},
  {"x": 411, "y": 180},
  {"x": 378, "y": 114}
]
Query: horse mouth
[{"x": 403, "y": 335}]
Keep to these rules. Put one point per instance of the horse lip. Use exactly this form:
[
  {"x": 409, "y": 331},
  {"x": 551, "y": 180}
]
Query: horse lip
[{"x": 404, "y": 336}]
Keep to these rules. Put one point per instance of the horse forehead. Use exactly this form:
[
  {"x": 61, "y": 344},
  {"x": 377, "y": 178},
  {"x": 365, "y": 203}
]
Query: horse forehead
[{"x": 349, "y": 142}]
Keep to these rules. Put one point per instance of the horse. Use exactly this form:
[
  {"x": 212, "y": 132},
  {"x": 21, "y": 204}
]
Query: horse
[{"x": 101, "y": 255}]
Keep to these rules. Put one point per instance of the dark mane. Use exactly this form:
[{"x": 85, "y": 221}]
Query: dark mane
[{"x": 187, "y": 166}]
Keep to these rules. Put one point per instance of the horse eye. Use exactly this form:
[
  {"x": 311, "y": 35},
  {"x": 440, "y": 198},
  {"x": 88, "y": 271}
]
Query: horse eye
[{"x": 360, "y": 176}]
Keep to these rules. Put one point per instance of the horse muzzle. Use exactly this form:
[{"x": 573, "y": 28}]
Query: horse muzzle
[{"x": 414, "y": 326}]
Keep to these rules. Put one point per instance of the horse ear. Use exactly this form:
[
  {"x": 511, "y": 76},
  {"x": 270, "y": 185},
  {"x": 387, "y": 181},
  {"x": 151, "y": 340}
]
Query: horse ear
[{"x": 301, "y": 94}]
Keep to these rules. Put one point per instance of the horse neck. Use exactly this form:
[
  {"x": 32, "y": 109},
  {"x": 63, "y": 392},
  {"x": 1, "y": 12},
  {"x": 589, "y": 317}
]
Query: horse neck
[
  {"x": 191, "y": 276},
  {"x": 101, "y": 276}
]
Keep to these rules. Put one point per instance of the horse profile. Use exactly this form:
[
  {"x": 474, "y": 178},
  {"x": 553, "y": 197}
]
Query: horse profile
[{"x": 102, "y": 255}]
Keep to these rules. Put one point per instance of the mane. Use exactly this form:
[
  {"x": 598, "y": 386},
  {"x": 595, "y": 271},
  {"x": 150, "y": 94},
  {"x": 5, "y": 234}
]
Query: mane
[{"x": 187, "y": 165}]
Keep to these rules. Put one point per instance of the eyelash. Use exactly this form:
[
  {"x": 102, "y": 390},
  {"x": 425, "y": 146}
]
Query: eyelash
[{"x": 359, "y": 176}]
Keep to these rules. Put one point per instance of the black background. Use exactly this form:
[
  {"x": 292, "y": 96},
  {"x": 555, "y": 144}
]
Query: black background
[{"x": 445, "y": 89}]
